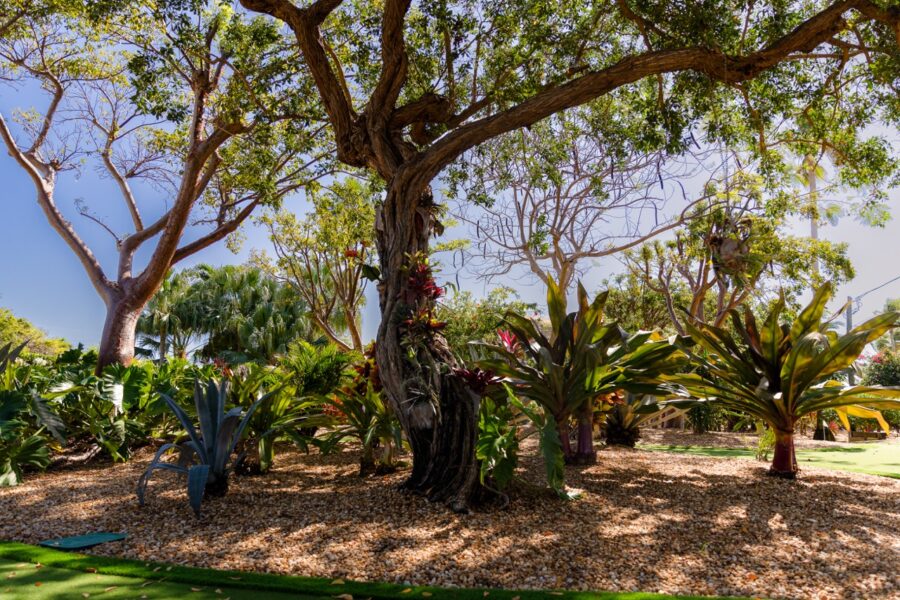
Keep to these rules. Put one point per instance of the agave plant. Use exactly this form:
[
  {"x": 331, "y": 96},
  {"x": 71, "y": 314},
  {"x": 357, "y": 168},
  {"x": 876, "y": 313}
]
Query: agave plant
[
  {"x": 205, "y": 459},
  {"x": 582, "y": 360},
  {"x": 780, "y": 372}
]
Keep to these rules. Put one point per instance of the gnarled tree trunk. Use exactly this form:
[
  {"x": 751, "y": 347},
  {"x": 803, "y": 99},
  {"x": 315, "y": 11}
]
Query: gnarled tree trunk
[{"x": 436, "y": 409}]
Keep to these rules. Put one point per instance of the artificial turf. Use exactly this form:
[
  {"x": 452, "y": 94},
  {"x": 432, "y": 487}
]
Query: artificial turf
[
  {"x": 873, "y": 458},
  {"x": 34, "y": 572},
  {"x": 20, "y": 580}
]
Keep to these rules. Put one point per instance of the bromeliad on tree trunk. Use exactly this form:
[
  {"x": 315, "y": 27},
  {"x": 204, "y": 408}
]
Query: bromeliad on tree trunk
[{"x": 780, "y": 372}]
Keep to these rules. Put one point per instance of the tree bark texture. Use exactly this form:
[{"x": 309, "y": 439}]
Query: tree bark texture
[
  {"x": 117, "y": 340},
  {"x": 436, "y": 409}
]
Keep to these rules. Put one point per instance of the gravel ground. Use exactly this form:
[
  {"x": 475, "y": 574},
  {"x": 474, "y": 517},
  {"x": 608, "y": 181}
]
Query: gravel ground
[
  {"x": 719, "y": 439},
  {"x": 646, "y": 521}
]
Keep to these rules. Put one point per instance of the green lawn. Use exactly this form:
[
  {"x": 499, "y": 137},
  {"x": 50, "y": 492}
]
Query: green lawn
[
  {"x": 20, "y": 580},
  {"x": 873, "y": 458},
  {"x": 36, "y": 573}
]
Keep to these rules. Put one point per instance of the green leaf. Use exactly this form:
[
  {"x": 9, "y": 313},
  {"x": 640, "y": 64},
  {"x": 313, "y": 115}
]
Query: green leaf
[{"x": 371, "y": 272}]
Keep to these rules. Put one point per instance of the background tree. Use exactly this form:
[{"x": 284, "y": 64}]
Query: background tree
[
  {"x": 635, "y": 305},
  {"x": 324, "y": 256},
  {"x": 477, "y": 320},
  {"x": 168, "y": 322},
  {"x": 247, "y": 315},
  {"x": 890, "y": 340},
  {"x": 182, "y": 105},
  {"x": 445, "y": 77},
  {"x": 232, "y": 313},
  {"x": 736, "y": 250},
  {"x": 551, "y": 199},
  {"x": 18, "y": 330}
]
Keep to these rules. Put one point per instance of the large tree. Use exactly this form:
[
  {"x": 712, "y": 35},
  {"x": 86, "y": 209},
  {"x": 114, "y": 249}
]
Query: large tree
[
  {"x": 409, "y": 89},
  {"x": 182, "y": 105}
]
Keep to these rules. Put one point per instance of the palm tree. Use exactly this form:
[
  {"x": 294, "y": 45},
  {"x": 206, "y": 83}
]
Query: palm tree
[
  {"x": 167, "y": 321},
  {"x": 248, "y": 315},
  {"x": 781, "y": 372}
]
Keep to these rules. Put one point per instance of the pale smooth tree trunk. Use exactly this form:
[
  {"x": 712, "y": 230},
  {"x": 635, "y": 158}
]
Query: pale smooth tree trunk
[{"x": 118, "y": 338}]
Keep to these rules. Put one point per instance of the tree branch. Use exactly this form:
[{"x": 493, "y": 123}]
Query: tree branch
[
  {"x": 214, "y": 236},
  {"x": 715, "y": 64},
  {"x": 305, "y": 25},
  {"x": 43, "y": 177}
]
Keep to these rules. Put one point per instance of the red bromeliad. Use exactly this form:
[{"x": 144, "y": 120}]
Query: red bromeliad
[
  {"x": 422, "y": 293},
  {"x": 477, "y": 379},
  {"x": 509, "y": 341}
]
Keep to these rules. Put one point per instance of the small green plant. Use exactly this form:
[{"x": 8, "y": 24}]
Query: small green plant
[
  {"x": 21, "y": 446},
  {"x": 205, "y": 459},
  {"x": 359, "y": 413},
  {"x": 363, "y": 416},
  {"x": 765, "y": 443},
  {"x": 624, "y": 419},
  {"x": 497, "y": 449},
  {"x": 293, "y": 410},
  {"x": 18, "y": 450}
]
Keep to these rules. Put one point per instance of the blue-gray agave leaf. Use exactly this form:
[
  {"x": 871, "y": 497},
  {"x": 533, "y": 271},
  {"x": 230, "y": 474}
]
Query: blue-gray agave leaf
[
  {"x": 197, "y": 476},
  {"x": 185, "y": 421}
]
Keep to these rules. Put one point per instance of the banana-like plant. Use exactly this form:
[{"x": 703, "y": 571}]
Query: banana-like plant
[
  {"x": 583, "y": 359},
  {"x": 18, "y": 449},
  {"x": 205, "y": 459},
  {"x": 780, "y": 372}
]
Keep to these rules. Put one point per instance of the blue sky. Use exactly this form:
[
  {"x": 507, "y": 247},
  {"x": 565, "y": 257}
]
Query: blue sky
[{"x": 41, "y": 280}]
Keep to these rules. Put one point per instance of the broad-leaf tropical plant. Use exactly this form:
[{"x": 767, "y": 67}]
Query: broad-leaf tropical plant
[
  {"x": 293, "y": 410},
  {"x": 582, "y": 359},
  {"x": 778, "y": 372},
  {"x": 205, "y": 459},
  {"x": 24, "y": 416}
]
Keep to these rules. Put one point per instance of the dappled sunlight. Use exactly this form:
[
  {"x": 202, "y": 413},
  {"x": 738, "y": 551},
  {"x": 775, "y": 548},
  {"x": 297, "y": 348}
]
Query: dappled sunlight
[{"x": 645, "y": 520}]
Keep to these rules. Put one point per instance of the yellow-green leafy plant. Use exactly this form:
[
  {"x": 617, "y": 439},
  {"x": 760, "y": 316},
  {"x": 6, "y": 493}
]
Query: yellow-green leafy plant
[{"x": 779, "y": 372}]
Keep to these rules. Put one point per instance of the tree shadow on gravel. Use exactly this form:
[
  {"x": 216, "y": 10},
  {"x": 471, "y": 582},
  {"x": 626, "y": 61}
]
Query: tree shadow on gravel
[{"x": 636, "y": 526}]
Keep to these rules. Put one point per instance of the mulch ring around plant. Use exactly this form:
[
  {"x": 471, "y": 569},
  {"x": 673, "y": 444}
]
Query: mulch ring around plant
[{"x": 648, "y": 521}]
